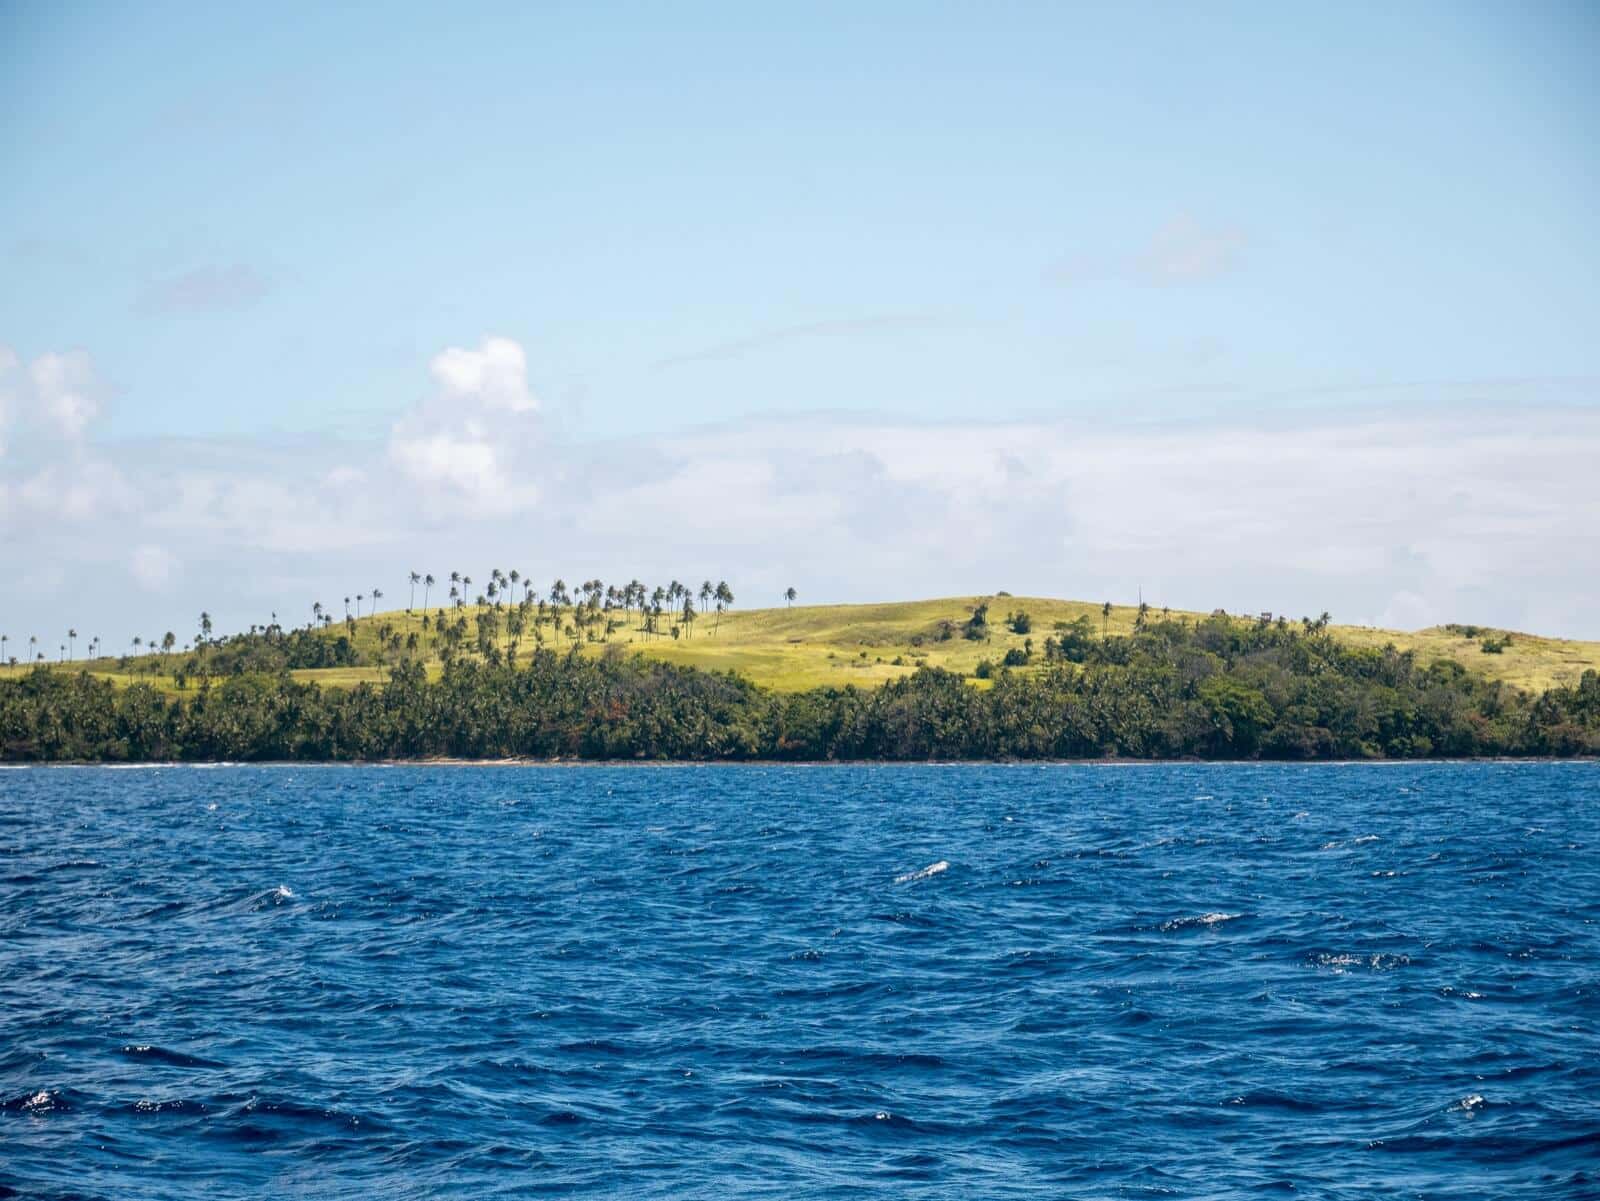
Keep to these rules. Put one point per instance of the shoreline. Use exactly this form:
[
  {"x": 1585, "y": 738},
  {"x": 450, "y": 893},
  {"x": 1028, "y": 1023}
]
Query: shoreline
[{"x": 770, "y": 763}]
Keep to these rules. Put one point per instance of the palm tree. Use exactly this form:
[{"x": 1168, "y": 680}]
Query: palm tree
[
  {"x": 558, "y": 597},
  {"x": 33, "y": 641},
  {"x": 724, "y": 596},
  {"x": 1105, "y": 618},
  {"x": 72, "y": 642},
  {"x": 706, "y": 593},
  {"x": 316, "y": 612},
  {"x": 205, "y": 626},
  {"x": 789, "y": 594},
  {"x": 168, "y": 641},
  {"x": 427, "y": 586},
  {"x": 416, "y": 579},
  {"x": 4, "y": 638},
  {"x": 347, "y": 608},
  {"x": 377, "y": 595}
]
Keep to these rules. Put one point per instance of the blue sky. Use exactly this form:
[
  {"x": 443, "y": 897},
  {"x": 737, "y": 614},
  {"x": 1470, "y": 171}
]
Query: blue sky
[{"x": 261, "y": 228}]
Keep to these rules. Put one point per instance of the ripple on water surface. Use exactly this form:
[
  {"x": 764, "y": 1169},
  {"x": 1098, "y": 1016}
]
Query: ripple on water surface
[{"x": 1021, "y": 981}]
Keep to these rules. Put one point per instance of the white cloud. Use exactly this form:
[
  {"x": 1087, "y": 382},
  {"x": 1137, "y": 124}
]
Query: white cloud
[
  {"x": 1483, "y": 515},
  {"x": 53, "y": 394},
  {"x": 1407, "y": 611},
  {"x": 465, "y": 463},
  {"x": 495, "y": 375},
  {"x": 152, "y": 566},
  {"x": 471, "y": 443},
  {"x": 79, "y": 489},
  {"x": 9, "y": 362},
  {"x": 62, "y": 385}
]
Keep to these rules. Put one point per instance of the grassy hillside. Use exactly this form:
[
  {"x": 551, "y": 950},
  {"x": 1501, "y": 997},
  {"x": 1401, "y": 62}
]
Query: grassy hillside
[{"x": 814, "y": 645}]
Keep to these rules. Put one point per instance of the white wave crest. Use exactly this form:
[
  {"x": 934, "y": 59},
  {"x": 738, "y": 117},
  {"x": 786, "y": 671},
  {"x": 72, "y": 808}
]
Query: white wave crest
[
  {"x": 933, "y": 869},
  {"x": 1204, "y": 919}
]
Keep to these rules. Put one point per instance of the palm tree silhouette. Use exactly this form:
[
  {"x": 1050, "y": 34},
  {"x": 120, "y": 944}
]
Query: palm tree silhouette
[
  {"x": 427, "y": 586},
  {"x": 72, "y": 642},
  {"x": 789, "y": 594},
  {"x": 416, "y": 579}
]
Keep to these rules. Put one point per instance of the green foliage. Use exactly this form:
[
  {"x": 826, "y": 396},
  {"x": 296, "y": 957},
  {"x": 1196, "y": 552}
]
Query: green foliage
[
  {"x": 977, "y": 626},
  {"x": 1215, "y": 689},
  {"x": 1019, "y": 622},
  {"x": 1073, "y": 642}
]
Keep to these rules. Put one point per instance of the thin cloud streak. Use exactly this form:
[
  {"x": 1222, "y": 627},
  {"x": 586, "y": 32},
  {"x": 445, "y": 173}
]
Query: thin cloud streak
[
  {"x": 208, "y": 289},
  {"x": 841, "y": 328}
]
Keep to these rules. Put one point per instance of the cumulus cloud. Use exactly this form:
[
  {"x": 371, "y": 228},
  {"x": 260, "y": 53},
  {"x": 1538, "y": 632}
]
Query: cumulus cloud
[
  {"x": 54, "y": 394},
  {"x": 465, "y": 443},
  {"x": 63, "y": 385},
  {"x": 494, "y": 376},
  {"x": 1481, "y": 515},
  {"x": 464, "y": 462}
]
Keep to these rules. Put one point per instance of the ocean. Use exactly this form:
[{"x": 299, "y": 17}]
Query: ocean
[{"x": 1347, "y": 980}]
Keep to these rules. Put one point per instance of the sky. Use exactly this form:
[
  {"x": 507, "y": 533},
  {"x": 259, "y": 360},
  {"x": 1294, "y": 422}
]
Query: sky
[{"x": 1237, "y": 306}]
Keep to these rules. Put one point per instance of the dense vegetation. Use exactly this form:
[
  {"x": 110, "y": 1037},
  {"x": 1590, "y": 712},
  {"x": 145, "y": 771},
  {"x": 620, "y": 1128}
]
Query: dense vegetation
[{"x": 1215, "y": 688}]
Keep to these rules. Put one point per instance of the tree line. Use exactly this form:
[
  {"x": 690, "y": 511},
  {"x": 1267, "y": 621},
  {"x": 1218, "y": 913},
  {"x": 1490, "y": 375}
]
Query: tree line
[
  {"x": 1212, "y": 689},
  {"x": 494, "y": 623}
]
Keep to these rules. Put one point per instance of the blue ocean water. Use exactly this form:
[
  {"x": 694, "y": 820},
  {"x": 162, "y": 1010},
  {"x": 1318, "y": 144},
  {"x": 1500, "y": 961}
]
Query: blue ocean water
[{"x": 939, "y": 981}]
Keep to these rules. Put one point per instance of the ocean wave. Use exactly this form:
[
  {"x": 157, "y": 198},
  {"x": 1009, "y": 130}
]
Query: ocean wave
[
  {"x": 1345, "y": 961},
  {"x": 149, "y": 1053},
  {"x": 1199, "y": 921},
  {"x": 933, "y": 869}
]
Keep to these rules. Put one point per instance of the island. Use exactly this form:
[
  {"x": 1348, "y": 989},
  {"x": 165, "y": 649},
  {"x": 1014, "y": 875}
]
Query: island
[{"x": 677, "y": 672}]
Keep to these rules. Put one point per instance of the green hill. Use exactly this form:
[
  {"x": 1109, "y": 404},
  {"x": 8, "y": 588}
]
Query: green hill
[{"x": 808, "y": 646}]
